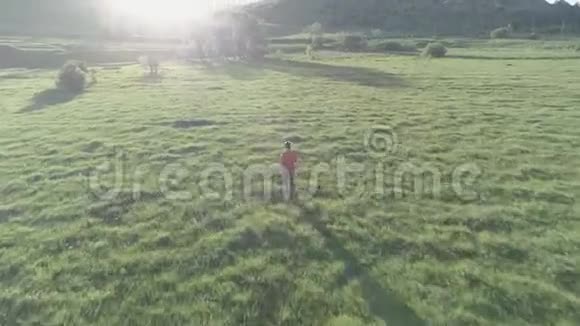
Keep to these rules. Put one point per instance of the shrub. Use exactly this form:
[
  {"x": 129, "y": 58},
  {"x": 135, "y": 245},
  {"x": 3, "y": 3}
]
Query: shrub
[
  {"x": 377, "y": 33},
  {"x": 578, "y": 47},
  {"x": 310, "y": 52},
  {"x": 278, "y": 53},
  {"x": 72, "y": 77},
  {"x": 317, "y": 42},
  {"x": 353, "y": 42},
  {"x": 423, "y": 43},
  {"x": 498, "y": 33},
  {"x": 314, "y": 29},
  {"x": 533, "y": 36},
  {"x": 435, "y": 50}
]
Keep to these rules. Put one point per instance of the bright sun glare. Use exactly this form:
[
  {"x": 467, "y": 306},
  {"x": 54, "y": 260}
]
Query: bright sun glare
[{"x": 161, "y": 11}]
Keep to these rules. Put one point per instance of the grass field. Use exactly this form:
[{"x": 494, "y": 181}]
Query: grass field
[{"x": 106, "y": 218}]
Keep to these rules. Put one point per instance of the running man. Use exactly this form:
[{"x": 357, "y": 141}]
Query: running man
[{"x": 289, "y": 162}]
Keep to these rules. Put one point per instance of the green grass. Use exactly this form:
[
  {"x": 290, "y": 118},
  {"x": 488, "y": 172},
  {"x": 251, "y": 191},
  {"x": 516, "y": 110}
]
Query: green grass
[{"x": 508, "y": 256}]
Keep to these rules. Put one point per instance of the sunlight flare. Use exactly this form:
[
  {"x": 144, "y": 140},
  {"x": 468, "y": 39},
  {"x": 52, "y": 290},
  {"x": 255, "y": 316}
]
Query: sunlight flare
[{"x": 161, "y": 11}]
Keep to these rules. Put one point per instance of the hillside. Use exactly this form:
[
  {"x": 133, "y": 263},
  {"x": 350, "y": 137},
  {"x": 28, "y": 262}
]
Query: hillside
[
  {"x": 458, "y": 17},
  {"x": 423, "y": 16}
]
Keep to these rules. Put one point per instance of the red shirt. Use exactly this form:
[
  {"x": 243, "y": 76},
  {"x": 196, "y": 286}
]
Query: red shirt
[{"x": 289, "y": 159}]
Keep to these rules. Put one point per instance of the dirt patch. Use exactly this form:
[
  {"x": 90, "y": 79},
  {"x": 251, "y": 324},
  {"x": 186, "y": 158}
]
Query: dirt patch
[
  {"x": 110, "y": 212},
  {"x": 68, "y": 174},
  {"x": 535, "y": 173},
  {"x": 187, "y": 149},
  {"x": 509, "y": 252},
  {"x": 569, "y": 279},
  {"x": 6, "y": 213},
  {"x": 195, "y": 123},
  {"x": 489, "y": 224},
  {"x": 92, "y": 146},
  {"x": 557, "y": 198}
]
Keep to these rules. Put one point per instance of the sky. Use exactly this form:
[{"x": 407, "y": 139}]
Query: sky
[{"x": 170, "y": 10}]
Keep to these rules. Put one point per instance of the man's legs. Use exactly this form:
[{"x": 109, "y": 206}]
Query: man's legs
[
  {"x": 292, "y": 186},
  {"x": 288, "y": 186}
]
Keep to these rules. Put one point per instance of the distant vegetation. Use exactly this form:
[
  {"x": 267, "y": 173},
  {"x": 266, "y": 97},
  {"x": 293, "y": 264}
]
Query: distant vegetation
[
  {"x": 316, "y": 35},
  {"x": 426, "y": 17},
  {"x": 73, "y": 77},
  {"x": 435, "y": 50},
  {"x": 419, "y": 17},
  {"x": 229, "y": 35},
  {"x": 394, "y": 46},
  {"x": 502, "y": 32},
  {"x": 353, "y": 42}
]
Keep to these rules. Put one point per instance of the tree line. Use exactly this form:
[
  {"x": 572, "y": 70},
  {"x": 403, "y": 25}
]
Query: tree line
[
  {"x": 454, "y": 17},
  {"x": 448, "y": 17}
]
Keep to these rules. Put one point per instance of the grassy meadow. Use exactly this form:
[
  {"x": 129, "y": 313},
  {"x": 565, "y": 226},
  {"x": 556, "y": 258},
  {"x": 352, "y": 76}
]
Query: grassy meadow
[{"x": 105, "y": 216}]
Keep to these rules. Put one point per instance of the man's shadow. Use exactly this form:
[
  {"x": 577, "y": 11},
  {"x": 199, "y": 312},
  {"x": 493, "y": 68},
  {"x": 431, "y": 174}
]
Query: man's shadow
[{"x": 382, "y": 302}]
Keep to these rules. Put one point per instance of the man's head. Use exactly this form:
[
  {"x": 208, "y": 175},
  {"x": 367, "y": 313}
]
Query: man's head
[{"x": 288, "y": 145}]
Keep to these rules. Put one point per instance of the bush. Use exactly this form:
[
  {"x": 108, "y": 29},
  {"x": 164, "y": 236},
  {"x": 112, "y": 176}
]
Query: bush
[
  {"x": 317, "y": 42},
  {"x": 533, "y": 36},
  {"x": 498, "y": 33},
  {"x": 435, "y": 50},
  {"x": 423, "y": 43},
  {"x": 353, "y": 42},
  {"x": 310, "y": 52},
  {"x": 278, "y": 53},
  {"x": 314, "y": 29},
  {"x": 578, "y": 48},
  {"x": 72, "y": 77},
  {"x": 377, "y": 33}
]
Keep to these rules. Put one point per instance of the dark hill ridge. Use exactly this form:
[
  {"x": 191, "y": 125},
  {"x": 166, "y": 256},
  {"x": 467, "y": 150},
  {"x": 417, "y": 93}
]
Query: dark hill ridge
[
  {"x": 460, "y": 17},
  {"x": 426, "y": 16}
]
